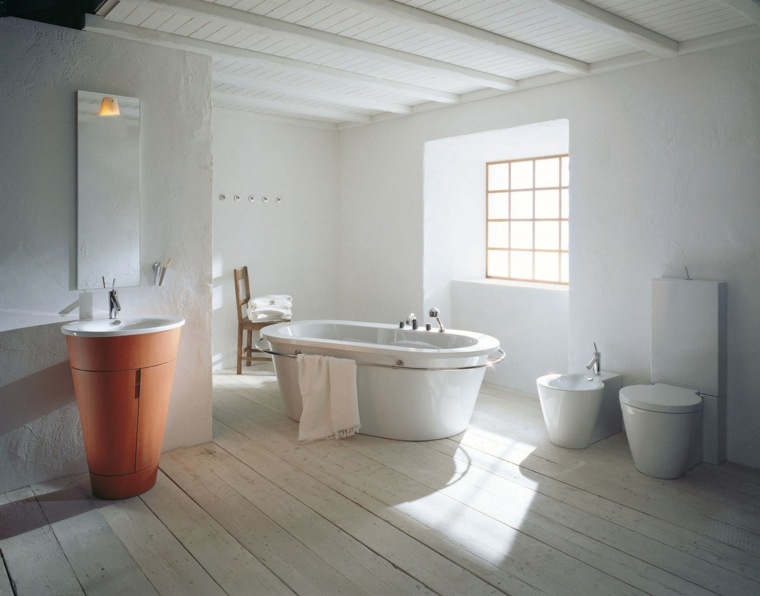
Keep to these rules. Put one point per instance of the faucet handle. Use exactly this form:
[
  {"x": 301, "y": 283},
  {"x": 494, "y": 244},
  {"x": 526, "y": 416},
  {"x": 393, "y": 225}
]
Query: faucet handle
[{"x": 435, "y": 313}]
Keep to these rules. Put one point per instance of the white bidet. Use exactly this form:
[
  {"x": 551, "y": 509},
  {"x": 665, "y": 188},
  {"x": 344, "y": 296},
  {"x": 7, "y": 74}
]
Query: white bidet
[{"x": 570, "y": 404}]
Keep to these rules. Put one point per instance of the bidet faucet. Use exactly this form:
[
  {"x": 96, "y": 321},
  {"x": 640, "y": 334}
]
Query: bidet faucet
[
  {"x": 434, "y": 313},
  {"x": 411, "y": 320},
  {"x": 595, "y": 363}
]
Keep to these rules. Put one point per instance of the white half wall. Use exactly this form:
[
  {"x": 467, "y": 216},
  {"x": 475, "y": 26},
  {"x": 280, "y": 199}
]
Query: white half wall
[
  {"x": 289, "y": 247},
  {"x": 663, "y": 175},
  {"x": 530, "y": 323},
  {"x": 41, "y": 68}
]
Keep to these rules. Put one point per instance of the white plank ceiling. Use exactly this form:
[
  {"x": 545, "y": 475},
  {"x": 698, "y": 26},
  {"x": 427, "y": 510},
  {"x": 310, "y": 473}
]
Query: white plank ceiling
[{"x": 341, "y": 62}]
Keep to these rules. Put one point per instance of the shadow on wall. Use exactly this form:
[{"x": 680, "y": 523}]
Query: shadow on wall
[
  {"x": 35, "y": 397},
  {"x": 40, "y": 432}
]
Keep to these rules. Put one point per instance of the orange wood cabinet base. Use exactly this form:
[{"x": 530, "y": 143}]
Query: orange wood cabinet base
[
  {"x": 122, "y": 386},
  {"x": 123, "y": 486}
]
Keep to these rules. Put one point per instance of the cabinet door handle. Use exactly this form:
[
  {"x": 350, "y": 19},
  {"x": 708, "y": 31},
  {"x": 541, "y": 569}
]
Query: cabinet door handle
[{"x": 138, "y": 378}]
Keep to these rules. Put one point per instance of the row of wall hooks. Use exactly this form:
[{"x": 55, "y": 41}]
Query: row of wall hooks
[{"x": 252, "y": 198}]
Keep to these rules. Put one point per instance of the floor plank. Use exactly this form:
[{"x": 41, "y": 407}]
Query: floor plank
[
  {"x": 100, "y": 560},
  {"x": 305, "y": 550},
  {"x": 431, "y": 569},
  {"x": 581, "y": 535},
  {"x": 497, "y": 509},
  {"x": 164, "y": 561},
  {"x": 479, "y": 535},
  {"x": 34, "y": 560},
  {"x": 228, "y": 562}
]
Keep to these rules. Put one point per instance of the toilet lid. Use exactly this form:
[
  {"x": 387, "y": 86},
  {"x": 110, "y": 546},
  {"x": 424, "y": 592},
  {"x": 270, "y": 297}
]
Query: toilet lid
[{"x": 661, "y": 398}]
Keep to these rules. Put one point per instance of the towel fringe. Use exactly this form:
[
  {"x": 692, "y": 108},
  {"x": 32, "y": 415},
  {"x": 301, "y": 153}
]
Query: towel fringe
[
  {"x": 347, "y": 432},
  {"x": 341, "y": 434}
]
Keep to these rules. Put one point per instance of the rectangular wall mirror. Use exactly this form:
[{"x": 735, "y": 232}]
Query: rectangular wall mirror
[{"x": 108, "y": 190}]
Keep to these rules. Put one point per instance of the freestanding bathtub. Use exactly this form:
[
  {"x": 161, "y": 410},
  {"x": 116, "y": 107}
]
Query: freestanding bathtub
[{"x": 412, "y": 385}]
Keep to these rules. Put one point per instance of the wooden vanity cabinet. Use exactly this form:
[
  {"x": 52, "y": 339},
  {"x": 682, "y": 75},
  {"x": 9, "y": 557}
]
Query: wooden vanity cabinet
[{"x": 123, "y": 405}]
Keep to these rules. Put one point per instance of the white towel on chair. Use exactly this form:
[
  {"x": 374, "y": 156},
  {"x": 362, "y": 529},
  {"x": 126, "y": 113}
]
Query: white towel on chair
[
  {"x": 272, "y": 300},
  {"x": 330, "y": 404},
  {"x": 270, "y": 314}
]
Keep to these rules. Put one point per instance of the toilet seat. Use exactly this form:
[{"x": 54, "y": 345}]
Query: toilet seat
[{"x": 661, "y": 398}]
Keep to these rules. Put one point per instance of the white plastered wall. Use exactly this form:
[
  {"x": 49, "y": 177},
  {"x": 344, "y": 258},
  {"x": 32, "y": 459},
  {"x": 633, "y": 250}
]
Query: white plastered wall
[
  {"x": 290, "y": 247},
  {"x": 41, "y": 68}
]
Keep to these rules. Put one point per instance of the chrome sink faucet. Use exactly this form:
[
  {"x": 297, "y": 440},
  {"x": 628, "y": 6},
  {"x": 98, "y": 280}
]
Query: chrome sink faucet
[
  {"x": 113, "y": 301},
  {"x": 411, "y": 320},
  {"x": 595, "y": 363}
]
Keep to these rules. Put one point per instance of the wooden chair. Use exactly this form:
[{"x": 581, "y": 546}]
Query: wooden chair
[{"x": 245, "y": 353}]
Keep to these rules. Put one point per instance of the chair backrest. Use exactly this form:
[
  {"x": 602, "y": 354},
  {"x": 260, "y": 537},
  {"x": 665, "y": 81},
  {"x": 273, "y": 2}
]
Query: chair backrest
[{"x": 242, "y": 292}]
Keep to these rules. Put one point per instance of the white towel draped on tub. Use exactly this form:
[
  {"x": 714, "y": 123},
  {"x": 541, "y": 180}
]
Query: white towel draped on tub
[{"x": 330, "y": 405}]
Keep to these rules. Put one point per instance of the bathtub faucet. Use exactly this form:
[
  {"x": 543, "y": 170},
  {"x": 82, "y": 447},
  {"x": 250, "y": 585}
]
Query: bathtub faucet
[
  {"x": 434, "y": 313},
  {"x": 411, "y": 320},
  {"x": 595, "y": 363}
]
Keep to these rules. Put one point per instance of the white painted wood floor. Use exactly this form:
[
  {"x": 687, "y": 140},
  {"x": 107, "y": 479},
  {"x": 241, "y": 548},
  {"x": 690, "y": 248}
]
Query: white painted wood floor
[{"x": 497, "y": 509}]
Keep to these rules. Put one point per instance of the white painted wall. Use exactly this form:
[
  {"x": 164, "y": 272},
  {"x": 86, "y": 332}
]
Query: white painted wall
[
  {"x": 530, "y": 323},
  {"x": 289, "y": 247},
  {"x": 664, "y": 175},
  {"x": 41, "y": 68},
  {"x": 380, "y": 256}
]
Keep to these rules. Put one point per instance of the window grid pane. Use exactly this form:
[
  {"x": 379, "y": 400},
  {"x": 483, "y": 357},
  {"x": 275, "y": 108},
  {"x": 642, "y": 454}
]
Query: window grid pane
[{"x": 527, "y": 219}]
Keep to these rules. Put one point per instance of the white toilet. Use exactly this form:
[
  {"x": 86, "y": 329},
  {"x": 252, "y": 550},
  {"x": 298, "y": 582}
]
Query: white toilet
[
  {"x": 663, "y": 424},
  {"x": 670, "y": 427}
]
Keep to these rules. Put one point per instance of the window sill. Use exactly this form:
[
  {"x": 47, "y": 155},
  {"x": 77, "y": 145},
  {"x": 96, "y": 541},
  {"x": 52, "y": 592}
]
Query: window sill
[{"x": 509, "y": 283}]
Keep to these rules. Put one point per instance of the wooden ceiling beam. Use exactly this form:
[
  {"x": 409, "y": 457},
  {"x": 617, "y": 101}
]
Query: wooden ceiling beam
[
  {"x": 354, "y": 47},
  {"x": 440, "y": 25},
  {"x": 281, "y": 107},
  {"x": 286, "y": 90},
  {"x": 602, "y": 21},
  {"x": 101, "y": 25}
]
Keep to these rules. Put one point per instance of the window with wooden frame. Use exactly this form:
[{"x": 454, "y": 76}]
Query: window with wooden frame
[{"x": 527, "y": 219}]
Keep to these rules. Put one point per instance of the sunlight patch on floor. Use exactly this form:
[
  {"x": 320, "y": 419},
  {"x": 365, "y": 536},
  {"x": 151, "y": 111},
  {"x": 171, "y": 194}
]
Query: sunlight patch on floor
[
  {"x": 506, "y": 448},
  {"x": 496, "y": 504}
]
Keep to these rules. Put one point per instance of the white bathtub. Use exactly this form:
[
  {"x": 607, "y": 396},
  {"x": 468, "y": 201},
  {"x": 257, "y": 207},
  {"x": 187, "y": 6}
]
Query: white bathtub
[{"x": 412, "y": 385}]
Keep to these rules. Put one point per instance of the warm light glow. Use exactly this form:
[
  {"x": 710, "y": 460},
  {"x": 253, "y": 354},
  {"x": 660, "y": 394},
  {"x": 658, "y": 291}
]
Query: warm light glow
[{"x": 109, "y": 107}]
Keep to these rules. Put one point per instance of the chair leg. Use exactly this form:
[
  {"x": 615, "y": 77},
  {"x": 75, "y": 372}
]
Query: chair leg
[
  {"x": 249, "y": 348},
  {"x": 240, "y": 351}
]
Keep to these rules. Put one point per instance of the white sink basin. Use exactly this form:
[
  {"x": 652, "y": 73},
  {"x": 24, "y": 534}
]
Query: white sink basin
[
  {"x": 571, "y": 382},
  {"x": 122, "y": 326}
]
